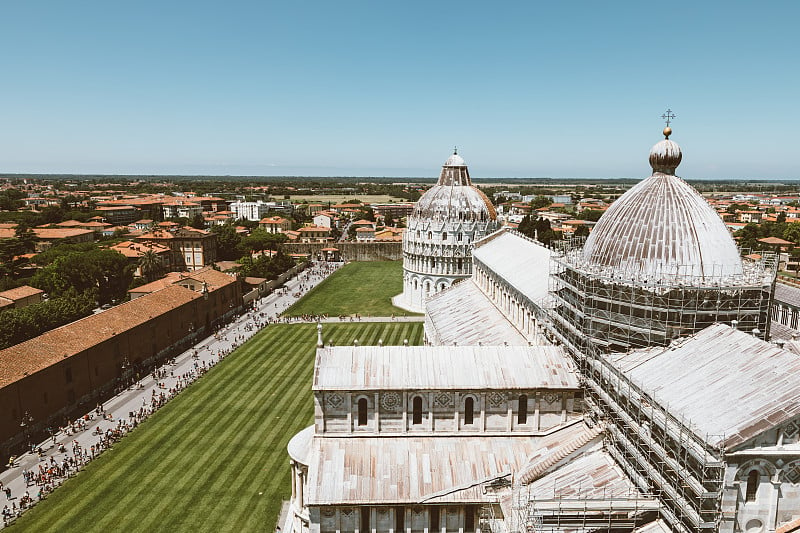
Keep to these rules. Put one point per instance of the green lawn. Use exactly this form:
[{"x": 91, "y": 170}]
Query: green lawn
[
  {"x": 364, "y": 287},
  {"x": 214, "y": 458}
]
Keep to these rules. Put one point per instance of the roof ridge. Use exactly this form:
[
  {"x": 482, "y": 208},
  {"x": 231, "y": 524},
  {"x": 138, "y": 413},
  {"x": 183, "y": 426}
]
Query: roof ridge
[{"x": 537, "y": 467}]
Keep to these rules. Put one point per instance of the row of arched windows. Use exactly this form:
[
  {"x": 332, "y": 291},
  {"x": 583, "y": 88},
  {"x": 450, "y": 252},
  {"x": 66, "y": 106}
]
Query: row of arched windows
[
  {"x": 469, "y": 410},
  {"x": 459, "y": 236}
]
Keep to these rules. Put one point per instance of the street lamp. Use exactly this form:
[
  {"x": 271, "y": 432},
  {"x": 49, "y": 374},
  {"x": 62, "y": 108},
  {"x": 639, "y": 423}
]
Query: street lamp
[{"x": 25, "y": 424}]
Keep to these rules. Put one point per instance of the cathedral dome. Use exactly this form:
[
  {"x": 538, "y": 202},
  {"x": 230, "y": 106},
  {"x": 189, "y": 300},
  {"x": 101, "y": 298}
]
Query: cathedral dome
[
  {"x": 663, "y": 228},
  {"x": 454, "y": 197}
]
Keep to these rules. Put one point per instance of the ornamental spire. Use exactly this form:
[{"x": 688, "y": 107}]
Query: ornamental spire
[{"x": 668, "y": 116}]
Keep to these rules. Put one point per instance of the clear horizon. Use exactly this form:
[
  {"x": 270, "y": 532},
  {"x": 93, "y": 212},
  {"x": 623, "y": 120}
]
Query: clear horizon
[{"x": 524, "y": 89}]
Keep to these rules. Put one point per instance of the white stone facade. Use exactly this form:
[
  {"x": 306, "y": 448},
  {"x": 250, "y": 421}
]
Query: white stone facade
[
  {"x": 437, "y": 244},
  {"x": 254, "y": 211}
]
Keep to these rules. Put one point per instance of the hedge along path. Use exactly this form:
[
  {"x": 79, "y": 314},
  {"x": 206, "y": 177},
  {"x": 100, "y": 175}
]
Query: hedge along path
[
  {"x": 213, "y": 458},
  {"x": 361, "y": 287}
]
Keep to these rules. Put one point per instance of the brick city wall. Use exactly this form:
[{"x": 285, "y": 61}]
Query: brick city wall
[
  {"x": 74, "y": 384},
  {"x": 351, "y": 251}
]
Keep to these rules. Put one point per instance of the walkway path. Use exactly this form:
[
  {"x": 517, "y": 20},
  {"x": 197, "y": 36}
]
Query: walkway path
[{"x": 114, "y": 416}]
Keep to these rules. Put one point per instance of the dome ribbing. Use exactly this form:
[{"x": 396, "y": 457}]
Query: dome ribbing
[{"x": 663, "y": 227}]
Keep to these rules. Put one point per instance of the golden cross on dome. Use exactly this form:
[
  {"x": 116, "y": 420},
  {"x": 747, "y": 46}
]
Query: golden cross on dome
[{"x": 668, "y": 116}]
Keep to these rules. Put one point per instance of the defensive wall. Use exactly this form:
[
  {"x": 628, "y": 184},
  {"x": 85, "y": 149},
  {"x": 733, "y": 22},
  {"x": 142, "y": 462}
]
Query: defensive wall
[
  {"x": 268, "y": 286},
  {"x": 351, "y": 251},
  {"x": 64, "y": 372}
]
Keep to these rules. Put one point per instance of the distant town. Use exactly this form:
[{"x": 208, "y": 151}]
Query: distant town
[{"x": 142, "y": 229}]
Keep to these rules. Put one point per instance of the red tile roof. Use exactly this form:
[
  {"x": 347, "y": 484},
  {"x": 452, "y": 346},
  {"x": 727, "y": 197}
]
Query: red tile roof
[
  {"x": 55, "y": 345},
  {"x": 20, "y": 292}
]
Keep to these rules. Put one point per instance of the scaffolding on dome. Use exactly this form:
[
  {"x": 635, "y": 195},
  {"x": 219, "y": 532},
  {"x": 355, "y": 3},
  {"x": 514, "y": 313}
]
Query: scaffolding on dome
[
  {"x": 616, "y": 311},
  {"x": 596, "y": 311}
]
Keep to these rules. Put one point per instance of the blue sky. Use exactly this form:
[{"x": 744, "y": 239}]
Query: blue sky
[{"x": 541, "y": 89}]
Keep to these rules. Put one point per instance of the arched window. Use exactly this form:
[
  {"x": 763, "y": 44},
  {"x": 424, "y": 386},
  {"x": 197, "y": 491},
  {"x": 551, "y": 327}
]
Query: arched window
[
  {"x": 444, "y": 236},
  {"x": 469, "y": 411},
  {"x": 362, "y": 412},
  {"x": 430, "y": 235},
  {"x": 416, "y": 414},
  {"x": 415, "y": 284},
  {"x": 427, "y": 287},
  {"x": 753, "y": 479},
  {"x": 522, "y": 410}
]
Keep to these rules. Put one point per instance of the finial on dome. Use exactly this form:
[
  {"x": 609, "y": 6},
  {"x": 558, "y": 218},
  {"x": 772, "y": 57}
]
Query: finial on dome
[
  {"x": 666, "y": 155},
  {"x": 455, "y": 150},
  {"x": 668, "y": 116}
]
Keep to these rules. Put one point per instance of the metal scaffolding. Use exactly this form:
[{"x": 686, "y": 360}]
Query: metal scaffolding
[
  {"x": 611, "y": 513},
  {"x": 616, "y": 311},
  {"x": 662, "y": 454},
  {"x": 595, "y": 311}
]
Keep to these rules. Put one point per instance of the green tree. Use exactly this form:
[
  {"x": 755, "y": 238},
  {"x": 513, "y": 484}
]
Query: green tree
[
  {"x": 198, "y": 222},
  {"x": 792, "y": 232},
  {"x": 104, "y": 274},
  {"x": 26, "y": 237},
  {"x": 592, "y": 215},
  {"x": 581, "y": 231},
  {"x": 227, "y": 242},
  {"x": 151, "y": 266},
  {"x": 11, "y": 199},
  {"x": 541, "y": 201},
  {"x": 18, "y": 325},
  {"x": 748, "y": 237}
]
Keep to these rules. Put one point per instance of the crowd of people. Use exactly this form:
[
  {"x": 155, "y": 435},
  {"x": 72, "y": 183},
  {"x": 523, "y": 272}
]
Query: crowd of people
[{"x": 67, "y": 456}]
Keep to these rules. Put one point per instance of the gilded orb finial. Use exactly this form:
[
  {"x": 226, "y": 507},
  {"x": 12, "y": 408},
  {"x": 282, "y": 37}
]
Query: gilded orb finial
[{"x": 667, "y": 132}]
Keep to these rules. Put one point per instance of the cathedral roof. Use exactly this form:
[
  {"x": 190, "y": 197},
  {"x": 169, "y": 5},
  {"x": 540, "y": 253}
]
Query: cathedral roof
[
  {"x": 419, "y": 468},
  {"x": 663, "y": 227},
  {"x": 521, "y": 262},
  {"x": 464, "y": 315},
  {"x": 729, "y": 385},
  {"x": 443, "y": 367},
  {"x": 454, "y": 197}
]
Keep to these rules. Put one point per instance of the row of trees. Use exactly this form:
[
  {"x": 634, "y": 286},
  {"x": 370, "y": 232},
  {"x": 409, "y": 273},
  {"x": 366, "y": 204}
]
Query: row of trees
[
  {"x": 265, "y": 266},
  {"x": 538, "y": 228},
  {"x": 19, "y": 325},
  {"x": 232, "y": 246},
  {"x": 99, "y": 274},
  {"x": 749, "y": 235}
]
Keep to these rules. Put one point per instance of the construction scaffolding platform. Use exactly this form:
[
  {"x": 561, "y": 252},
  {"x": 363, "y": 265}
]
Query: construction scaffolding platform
[{"x": 618, "y": 310}]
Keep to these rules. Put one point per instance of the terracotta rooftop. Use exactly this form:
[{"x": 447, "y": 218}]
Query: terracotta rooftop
[
  {"x": 214, "y": 278},
  {"x": 20, "y": 292},
  {"x": 114, "y": 207},
  {"x": 775, "y": 240},
  {"x": 55, "y": 345},
  {"x": 315, "y": 228},
  {"x": 273, "y": 220},
  {"x": 60, "y": 233}
]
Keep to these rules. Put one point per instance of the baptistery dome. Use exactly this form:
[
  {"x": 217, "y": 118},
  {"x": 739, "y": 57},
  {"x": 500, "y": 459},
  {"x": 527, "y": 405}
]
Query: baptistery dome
[
  {"x": 454, "y": 197},
  {"x": 663, "y": 227},
  {"x": 440, "y": 232}
]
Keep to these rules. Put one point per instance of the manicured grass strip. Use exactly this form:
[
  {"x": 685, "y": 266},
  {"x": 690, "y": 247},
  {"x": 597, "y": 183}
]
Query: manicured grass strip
[
  {"x": 214, "y": 458},
  {"x": 365, "y": 288}
]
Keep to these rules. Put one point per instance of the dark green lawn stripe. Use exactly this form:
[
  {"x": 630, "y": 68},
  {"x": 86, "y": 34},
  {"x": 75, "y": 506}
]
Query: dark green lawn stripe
[
  {"x": 199, "y": 462},
  {"x": 223, "y": 458}
]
